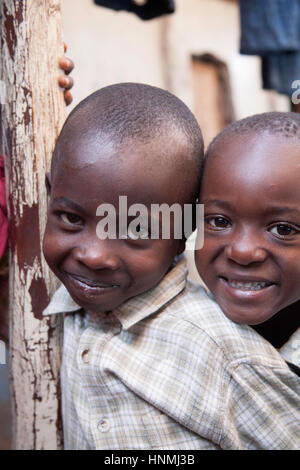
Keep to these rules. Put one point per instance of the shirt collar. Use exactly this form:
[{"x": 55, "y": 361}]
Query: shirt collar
[
  {"x": 143, "y": 305},
  {"x": 291, "y": 349},
  {"x": 137, "y": 308},
  {"x": 61, "y": 302}
]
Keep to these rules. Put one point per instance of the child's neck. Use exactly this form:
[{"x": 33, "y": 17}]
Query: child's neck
[{"x": 281, "y": 326}]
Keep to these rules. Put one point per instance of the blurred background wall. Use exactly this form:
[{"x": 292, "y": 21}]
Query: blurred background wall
[{"x": 109, "y": 47}]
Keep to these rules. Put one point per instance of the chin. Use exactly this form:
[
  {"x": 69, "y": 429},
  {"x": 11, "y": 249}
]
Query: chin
[
  {"x": 95, "y": 305},
  {"x": 246, "y": 318}
]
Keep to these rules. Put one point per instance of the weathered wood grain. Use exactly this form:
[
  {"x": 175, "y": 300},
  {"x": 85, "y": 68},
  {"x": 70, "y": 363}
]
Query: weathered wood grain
[{"x": 32, "y": 115}]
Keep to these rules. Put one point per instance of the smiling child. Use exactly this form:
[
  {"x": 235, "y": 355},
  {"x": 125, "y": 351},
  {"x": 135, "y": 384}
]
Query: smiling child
[
  {"x": 251, "y": 191},
  {"x": 149, "y": 360},
  {"x": 112, "y": 156}
]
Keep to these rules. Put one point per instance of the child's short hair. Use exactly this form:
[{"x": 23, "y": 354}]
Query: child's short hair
[
  {"x": 135, "y": 111},
  {"x": 285, "y": 124}
]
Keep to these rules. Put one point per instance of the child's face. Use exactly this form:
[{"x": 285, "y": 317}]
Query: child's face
[
  {"x": 102, "y": 274},
  {"x": 251, "y": 255}
]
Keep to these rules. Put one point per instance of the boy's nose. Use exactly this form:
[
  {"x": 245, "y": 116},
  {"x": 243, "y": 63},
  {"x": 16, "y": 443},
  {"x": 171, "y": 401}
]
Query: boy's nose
[
  {"x": 245, "y": 249},
  {"x": 98, "y": 255}
]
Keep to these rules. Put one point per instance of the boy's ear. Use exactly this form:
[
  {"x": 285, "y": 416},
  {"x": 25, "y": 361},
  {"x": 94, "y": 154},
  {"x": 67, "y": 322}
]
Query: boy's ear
[{"x": 48, "y": 183}]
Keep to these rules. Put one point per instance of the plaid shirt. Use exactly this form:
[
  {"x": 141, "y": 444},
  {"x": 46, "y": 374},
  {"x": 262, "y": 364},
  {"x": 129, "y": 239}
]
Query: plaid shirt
[{"x": 168, "y": 370}]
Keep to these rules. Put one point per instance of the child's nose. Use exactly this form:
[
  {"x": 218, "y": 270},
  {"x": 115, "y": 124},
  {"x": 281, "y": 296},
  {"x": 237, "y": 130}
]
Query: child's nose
[
  {"x": 98, "y": 254},
  {"x": 245, "y": 249}
]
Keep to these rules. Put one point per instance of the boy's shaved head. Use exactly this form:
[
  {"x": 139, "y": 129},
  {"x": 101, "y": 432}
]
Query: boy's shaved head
[
  {"x": 281, "y": 124},
  {"x": 136, "y": 112}
]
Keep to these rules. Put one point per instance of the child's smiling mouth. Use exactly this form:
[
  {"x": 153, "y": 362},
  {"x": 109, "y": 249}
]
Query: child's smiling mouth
[
  {"x": 244, "y": 287},
  {"x": 247, "y": 284},
  {"x": 90, "y": 286}
]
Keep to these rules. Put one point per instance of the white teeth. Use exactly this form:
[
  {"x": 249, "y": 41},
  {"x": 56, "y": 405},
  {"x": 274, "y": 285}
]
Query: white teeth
[{"x": 247, "y": 285}]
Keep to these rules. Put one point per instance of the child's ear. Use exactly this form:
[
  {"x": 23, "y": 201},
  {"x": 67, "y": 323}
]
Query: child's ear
[{"x": 48, "y": 183}]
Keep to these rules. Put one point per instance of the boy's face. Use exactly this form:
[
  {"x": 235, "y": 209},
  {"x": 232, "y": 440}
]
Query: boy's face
[
  {"x": 251, "y": 255},
  {"x": 102, "y": 274}
]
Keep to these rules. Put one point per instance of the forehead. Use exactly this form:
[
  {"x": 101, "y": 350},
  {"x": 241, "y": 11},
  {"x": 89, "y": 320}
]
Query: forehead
[
  {"x": 101, "y": 165},
  {"x": 256, "y": 165}
]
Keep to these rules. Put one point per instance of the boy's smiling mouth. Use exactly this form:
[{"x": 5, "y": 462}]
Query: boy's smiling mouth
[
  {"x": 246, "y": 298},
  {"x": 243, "y": 287},
  {"x": 246, "y": 284},
  {"x": 91, "y": 285}
]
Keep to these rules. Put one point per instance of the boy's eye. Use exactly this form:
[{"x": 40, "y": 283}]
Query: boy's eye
[
  {"x": 283, "y": 230},
  {"x": 218, "y": 223},
  {"x": 71, "y": 219},
  {"x": 137, "y": 232}
]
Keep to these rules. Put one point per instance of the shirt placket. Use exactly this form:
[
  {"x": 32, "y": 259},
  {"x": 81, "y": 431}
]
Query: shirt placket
[{"x": 95, "y": 380}]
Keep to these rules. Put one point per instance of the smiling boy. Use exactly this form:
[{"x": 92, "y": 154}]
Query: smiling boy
[
  {"x": 97, "y": 161},
  {"x": 251, "y": 191},
  {"x": 140, "y": 369}
]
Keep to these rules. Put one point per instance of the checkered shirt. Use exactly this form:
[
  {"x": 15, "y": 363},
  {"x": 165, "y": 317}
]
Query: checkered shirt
[{"x": 168, "y": 370}]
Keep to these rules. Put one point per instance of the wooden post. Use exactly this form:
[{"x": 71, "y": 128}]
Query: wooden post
[{"x": 32, "y": 115}]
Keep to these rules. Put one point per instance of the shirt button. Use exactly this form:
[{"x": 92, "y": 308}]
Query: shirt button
[
  {"x": 103, "y": 425},
  {"x": 85, "y": 356}
]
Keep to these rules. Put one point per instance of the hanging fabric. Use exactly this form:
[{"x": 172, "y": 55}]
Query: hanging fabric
[
  {"x": 146, "y": 10},
  {"x": 271, "y": 29}
]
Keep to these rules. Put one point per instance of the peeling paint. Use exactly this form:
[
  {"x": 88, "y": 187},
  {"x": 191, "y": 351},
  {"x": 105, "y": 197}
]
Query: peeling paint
[
  {"x": 39, "y": 297},
  {"x": 10, "y": 34},
  {"x": 32, "y": 117}
]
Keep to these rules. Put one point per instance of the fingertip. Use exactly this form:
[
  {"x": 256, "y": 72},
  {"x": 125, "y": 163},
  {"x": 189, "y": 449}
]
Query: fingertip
[
  {"x": 63, "y": 81},
  {"x": 68, "y": 97},
  {"x": 66, "y": 64}
]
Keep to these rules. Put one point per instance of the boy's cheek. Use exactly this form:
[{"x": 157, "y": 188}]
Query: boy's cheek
[{"x": 51, "y": 248}]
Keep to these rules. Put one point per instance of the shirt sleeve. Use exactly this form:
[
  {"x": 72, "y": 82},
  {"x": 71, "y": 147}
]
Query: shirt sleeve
[{"x": 262, "y": 409}]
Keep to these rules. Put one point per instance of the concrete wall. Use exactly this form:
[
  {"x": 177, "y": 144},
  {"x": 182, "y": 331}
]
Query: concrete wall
[
  {"x": 110, "y": 47},
  {"x": 201, "y": 26}
]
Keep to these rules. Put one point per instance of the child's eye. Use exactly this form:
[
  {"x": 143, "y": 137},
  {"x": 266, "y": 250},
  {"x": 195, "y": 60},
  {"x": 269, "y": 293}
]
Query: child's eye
[
  {"x": 138, "y": 232},
  {"x": 283, "y": 230},
  {"x": 217, "y": 223},
  {"x": 70, "y": 218}
]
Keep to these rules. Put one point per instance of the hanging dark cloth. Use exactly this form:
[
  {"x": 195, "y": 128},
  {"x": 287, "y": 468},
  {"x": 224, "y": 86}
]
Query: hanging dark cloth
[
  {"x": 151, "y": 9},
  {"x": 271, "y": 29}
]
